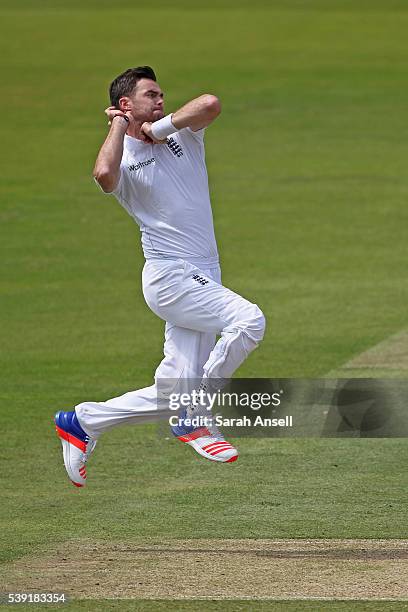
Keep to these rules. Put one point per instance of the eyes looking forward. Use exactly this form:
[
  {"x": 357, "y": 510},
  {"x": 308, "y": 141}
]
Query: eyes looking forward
[{"x": 154, "y": 94}]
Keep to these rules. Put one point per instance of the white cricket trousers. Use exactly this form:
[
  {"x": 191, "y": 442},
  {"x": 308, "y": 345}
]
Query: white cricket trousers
[{"x": 196, "y": 307}]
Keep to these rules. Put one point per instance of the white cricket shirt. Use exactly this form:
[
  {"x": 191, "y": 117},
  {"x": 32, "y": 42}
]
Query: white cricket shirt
[{"x": 164, "y": 187}]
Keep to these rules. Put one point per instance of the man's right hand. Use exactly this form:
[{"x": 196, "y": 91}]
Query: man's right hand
[
  {"x": 113, "y": 112},
  {"x": 133, "y": 128}
]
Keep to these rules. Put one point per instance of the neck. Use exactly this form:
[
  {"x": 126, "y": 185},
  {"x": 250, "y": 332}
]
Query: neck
[{"x": 134, "y": 130}]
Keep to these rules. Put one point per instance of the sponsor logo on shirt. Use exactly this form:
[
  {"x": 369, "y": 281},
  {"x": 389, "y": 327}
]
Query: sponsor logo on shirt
[
  {"x": 174, "y": 147},
  {"x": 140, "y": 164}
]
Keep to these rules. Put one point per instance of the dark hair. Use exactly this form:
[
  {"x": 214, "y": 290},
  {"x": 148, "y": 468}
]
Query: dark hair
[{"x": 125, "y": 83}]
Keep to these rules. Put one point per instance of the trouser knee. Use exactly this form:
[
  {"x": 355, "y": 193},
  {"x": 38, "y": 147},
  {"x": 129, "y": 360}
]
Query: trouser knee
[
  {"x": 236, "y": 343},
  {"x": 255, "y": 326}
]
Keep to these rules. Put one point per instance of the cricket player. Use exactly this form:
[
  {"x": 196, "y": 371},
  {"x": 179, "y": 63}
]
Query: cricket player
[{"x": 154, "y": 164}]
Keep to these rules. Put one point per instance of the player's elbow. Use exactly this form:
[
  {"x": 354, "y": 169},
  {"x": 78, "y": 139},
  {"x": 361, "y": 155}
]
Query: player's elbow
[
  {"x": 104, "y": 177},
  {"x": 212, "y": 106}
]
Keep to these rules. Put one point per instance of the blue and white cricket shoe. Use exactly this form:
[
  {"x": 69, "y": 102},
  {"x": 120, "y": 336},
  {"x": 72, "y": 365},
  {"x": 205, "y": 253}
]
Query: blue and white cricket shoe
[
  {"x": 76, "y": 446},
  {"x": 206, "y": 439}
]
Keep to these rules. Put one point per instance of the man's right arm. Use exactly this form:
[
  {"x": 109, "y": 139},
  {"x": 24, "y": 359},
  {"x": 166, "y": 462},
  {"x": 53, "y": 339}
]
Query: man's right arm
[{"x": 107, "y": 165}]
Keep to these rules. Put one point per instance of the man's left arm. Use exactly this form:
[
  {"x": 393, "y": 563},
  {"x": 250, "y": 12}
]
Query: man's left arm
[{"x": 196, "y": 115}]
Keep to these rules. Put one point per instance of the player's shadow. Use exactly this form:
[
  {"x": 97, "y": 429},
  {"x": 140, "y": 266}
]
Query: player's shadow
[{"x": 361, "y": 407}]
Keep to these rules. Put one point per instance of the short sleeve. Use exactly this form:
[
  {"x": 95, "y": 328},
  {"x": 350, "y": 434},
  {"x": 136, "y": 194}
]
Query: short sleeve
[
  {"x": 119, "y": 187},
  {"x": 198, "y": 136},
  {"x": 118, "y": 191},
  {"x": 122, "y": 192}
]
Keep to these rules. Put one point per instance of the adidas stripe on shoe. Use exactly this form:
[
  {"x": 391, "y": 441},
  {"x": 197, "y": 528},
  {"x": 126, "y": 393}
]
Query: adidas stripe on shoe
[{"x": 207, "y": 440}]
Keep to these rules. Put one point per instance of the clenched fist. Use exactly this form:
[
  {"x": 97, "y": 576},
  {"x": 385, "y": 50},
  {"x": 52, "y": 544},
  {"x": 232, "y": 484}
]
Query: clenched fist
[{"x": 146, "y": 129}]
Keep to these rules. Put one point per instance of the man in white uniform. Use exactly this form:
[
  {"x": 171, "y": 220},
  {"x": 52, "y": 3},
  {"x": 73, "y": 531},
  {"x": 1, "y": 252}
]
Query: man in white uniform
[{"x": 155, "y": 167}]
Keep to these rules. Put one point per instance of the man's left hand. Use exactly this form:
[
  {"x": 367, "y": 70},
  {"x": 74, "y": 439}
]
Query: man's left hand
[{"x": 147, "y": 130}]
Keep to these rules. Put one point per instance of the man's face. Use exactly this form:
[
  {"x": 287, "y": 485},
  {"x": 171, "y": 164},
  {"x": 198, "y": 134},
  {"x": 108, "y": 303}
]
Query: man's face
[{"x": 145, "y": 102}]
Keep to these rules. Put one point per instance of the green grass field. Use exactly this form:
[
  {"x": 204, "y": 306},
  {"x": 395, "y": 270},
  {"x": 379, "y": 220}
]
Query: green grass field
[{"x": 307, "y": 167}]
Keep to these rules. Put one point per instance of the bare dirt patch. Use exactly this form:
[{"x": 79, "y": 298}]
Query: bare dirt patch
[{"x": 217, "y": 569}]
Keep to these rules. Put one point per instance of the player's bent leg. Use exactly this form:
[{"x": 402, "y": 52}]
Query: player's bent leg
[
  {"x": 186, "y": 352},
  {"x": 237, "y": 341},
  {"x": 76, "y": 446},
  {"x": 191, "y": 298},
  {"x": 188, "y": 345}
]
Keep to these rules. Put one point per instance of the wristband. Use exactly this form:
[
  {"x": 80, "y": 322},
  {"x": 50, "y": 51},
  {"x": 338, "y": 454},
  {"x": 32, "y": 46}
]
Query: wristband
[{"x": 163, "y": 128}]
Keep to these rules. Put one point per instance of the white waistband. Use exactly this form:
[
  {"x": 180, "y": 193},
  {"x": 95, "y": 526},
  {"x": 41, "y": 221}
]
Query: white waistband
[{"x": 195, "y": 261}]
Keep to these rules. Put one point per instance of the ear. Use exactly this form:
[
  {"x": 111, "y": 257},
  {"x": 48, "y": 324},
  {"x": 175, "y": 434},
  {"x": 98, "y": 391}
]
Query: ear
[{"x": 125, "y": 104}]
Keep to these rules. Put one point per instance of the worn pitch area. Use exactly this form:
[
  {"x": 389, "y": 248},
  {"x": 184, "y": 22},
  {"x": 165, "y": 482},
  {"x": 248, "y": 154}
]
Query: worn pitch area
[
  {"x": 217, "y": 569},
  {"x": 388, "y": 359}
]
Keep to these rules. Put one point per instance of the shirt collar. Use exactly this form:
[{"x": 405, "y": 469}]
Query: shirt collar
[{"x": 133, "y": 144}]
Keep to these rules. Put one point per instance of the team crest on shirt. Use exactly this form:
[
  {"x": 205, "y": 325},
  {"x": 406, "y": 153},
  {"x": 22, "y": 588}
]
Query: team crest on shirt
[
  {"x": 174, "y": 147},
  {"x": 200, "y": 279}
]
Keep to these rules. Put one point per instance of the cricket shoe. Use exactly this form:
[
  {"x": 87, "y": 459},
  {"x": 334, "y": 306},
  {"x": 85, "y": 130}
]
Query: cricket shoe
[
  {"x": 76, "y": 446},
  {"x": 206, "y": 439}
]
